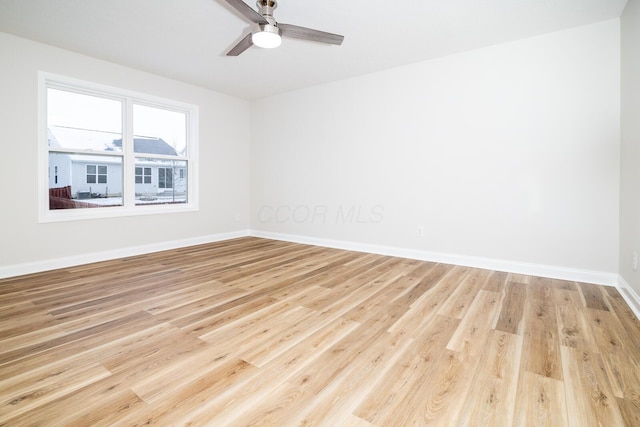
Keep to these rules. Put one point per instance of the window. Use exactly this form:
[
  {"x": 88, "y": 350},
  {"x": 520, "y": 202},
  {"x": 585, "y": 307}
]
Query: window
[
  {"x": 165, "y": 177},
  {"x": 96, "y": 174},
  {"x": 143, "y": 175},
  {"x": 105, "y": 146}
]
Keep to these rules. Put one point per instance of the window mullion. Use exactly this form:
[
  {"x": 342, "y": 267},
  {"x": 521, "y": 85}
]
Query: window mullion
[{"x": 128, "y": 173}]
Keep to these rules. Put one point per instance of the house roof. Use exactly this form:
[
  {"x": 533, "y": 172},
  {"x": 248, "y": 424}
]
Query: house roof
[
  {"x": 83, "y": 139},
  {"x": 149, "y": 146}
]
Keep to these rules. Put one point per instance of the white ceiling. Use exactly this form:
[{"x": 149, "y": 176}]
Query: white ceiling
[{"x": 187, "y": 39}]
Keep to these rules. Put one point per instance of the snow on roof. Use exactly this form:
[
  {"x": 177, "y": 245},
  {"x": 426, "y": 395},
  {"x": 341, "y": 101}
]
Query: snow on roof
[{"x": 82, "y": 139}]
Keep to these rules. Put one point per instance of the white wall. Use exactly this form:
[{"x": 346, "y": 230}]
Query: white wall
[
  {"x": 630, "y": 151},
  {"x": 224, "y": 175},
  {"x": 507, "y": 153}
]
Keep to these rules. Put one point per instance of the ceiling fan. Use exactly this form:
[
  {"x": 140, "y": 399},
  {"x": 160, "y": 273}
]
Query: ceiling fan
[{"x": 267, "y": 32}]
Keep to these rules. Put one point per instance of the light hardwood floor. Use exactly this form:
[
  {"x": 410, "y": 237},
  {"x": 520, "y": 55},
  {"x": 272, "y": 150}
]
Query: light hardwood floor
[{"x": 260, "y": 332}]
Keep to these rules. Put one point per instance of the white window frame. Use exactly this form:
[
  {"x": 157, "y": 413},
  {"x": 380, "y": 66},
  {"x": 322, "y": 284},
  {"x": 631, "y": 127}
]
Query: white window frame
[{"x": 128, "y": 99}]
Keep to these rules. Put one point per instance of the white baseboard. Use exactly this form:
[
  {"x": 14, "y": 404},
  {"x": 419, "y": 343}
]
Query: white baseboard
[
  {"x": 629, "y": 295},
  {"x": 586, "y": 276},
  {"x": 555, "y": 272},
  {"x": 52, "y": 264}
]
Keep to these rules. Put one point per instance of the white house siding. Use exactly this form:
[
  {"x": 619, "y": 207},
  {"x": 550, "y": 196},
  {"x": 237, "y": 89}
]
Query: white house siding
[
  {"x": 113, "y": 186},
  {"x": 63, "y": 163}
]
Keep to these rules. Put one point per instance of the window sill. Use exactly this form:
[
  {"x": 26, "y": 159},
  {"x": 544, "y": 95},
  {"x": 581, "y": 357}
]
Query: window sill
[{"x": 61, "y": 215}]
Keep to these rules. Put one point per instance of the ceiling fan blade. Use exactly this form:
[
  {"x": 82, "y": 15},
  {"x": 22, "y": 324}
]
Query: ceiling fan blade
[
  {"x": 242, "y": 45},
  {"x": 297, "y": 32},
  {"x": 247, "y": 11}
]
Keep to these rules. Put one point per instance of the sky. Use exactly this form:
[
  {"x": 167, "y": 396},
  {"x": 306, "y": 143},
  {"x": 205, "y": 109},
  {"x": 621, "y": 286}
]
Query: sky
[{"x": 81, "y": 111}]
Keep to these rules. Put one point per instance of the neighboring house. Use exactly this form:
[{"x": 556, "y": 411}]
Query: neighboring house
[{"x": 101, "y": 176}]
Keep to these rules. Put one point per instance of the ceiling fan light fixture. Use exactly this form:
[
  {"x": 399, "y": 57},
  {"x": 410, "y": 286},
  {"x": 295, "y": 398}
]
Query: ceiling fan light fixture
[
  {"x": 268, "y": 37},
  {"x": 266, "y": 32}
]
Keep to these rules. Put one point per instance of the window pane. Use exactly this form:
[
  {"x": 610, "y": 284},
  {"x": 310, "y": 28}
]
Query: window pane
[
  {"x": 159, "y": 131},
  {"x": 77, "y": 121},
  {"x": 78, "y": 189},
  {"x": 169, "y": 188},
  {"x": 91, "y": 169},
  {"x": 168, "y": 176},
  {"x": 102, "y": 170},
  {"x": 161, "y": 177}
]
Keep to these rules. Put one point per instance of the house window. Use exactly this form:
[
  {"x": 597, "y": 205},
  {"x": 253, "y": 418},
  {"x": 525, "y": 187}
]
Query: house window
[
  {"x": 96, "y": 174},
  {"x": 109, "y": 144},
  {"x": 165, "y": 177},
  {"x": 143, "y": 175}
]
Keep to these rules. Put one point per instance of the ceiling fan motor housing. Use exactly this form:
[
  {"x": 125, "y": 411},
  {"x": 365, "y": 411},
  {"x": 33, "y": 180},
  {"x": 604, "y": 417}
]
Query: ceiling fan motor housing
[{"x": 266, "y": 8}]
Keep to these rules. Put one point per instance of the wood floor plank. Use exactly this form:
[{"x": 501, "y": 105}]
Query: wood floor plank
[
  {"x": 195, "y": 311},
  {"x": 406, "y": 375},
  {"x": 387, "y": 287},
  {"x": 22, "y": 324},
  {"x": 146, "y": 349},
  {"x": 512, "y": 311},
  {"x": 518, "y": 278},
  {"x": 180, "y": 401},
  {"x": 573, "y": 327},
  {"x": 629, "y": 411},
  {"x": 583, "y": 376},
  {"x": 86, "y": 406},
  {"x": 11, "y": 342},
  {"x": 293, "y": 329},
  {"x": 626, "y": 317},
  {"x": 441, "y": 398},
  {"x": 594, "y": 297},
  {"x": 436, "y": 273},
  {"x": 473, "y": 331},
  {"x": 496, "y": 281},
  {"x": 18, "y": 397},
  {"x": 541, "y": 401},
  {"x": 249, "y": 393},
  {"x": 461, "y": 298},
  {"x": 621, "y": 362},
  {"x": 426, "y": 305},
  {"x": 491, "y": 400},
  {"x": 253, "y": 331},
  {"x": 106, "y": 411},
  {"x": 231, "y": 310},
  {"x": 337, "y": 399},
  {"x": 294, "y": 397},
  {"x": 563, "y": 285},
  {"x": 541, "y": 352},
  {"x": 72, "y": 340}
]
